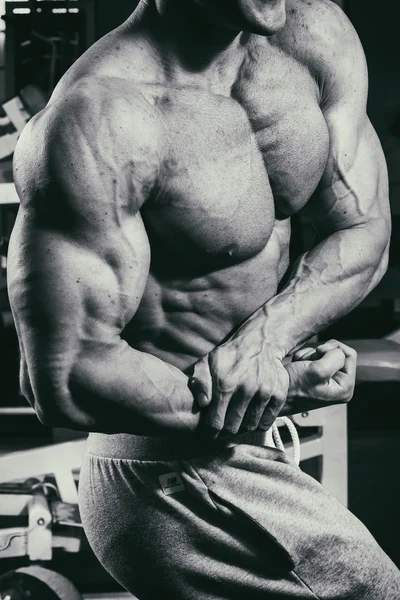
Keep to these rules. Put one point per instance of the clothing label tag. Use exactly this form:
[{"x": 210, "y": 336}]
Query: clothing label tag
[{"x": 171, "y": 483}]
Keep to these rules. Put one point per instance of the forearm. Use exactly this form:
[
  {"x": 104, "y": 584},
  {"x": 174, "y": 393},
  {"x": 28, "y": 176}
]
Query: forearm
[
  {"x": 126, "y": 391},
  {"x": 326, "y": 283},
  {"x": 120, "y": 390},
  {"x": 70, "y": 305}
]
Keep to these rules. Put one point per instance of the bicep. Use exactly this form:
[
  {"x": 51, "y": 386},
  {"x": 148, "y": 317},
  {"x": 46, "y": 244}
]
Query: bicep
[
  {"x": 354, "y": 188},
  {"x": 72, "y": 290}
]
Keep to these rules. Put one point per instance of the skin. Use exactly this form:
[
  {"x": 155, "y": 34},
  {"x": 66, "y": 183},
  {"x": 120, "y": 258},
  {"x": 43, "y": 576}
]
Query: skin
[{"x": 147, "y": 263}]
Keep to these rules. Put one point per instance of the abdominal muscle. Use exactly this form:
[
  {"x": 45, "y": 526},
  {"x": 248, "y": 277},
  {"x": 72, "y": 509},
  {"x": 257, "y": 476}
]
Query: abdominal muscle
[{"x": 180, "y": 320}]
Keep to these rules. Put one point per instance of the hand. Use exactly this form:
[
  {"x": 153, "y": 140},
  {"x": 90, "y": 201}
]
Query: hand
[
  {"x": 243, "y": 389},
  {"x": 325, "y": 374}
]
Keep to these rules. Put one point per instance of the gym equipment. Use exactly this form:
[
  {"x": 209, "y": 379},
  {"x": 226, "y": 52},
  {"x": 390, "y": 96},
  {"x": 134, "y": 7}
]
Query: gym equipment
[
  {"x": 39, "y": 487},
  {"x": 327, "y": 442},
  {"x": 14, "y": 115},
  {"x": 43, "y": 39},
  {"x": 36, "y": 583},
  {"x": 13, "y": 118},
  {"x": 38, "y": 496},
  {"x": 378, "y": 360}
]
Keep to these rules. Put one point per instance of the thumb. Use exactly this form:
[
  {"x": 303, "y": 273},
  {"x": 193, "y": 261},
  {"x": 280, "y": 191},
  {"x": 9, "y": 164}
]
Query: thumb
[{"x": 201, "y": 382}]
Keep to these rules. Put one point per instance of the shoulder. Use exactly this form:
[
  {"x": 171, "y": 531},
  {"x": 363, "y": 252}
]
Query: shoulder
[
  {"x": 106, "y": 113},
  {"x": 101, "y": 125},
  {"x": 320, "y": 36},
  {"x": 318, "y": 15}
]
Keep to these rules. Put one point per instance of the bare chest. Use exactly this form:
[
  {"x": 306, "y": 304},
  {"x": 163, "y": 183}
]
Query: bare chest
[
  {"x": 232, "y": 165},
  {"x": 281, "y": 100}
]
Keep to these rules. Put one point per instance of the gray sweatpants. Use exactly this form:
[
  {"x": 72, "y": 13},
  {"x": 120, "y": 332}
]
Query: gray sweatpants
[{"x": 170, "y": 520}]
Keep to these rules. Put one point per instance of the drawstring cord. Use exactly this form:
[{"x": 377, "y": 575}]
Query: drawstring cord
[{"x": 274, "y": 439}]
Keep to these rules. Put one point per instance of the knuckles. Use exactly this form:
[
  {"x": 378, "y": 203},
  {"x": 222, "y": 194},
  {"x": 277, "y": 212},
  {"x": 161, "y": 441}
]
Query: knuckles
[
  {"x": 231, "y": 430},
  {"x": 216, "y": 425}
]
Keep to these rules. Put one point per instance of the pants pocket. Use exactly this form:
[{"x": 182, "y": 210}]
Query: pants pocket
[
  {"x": 245, "y": 483},
  {"x": 256, "y": 531}
]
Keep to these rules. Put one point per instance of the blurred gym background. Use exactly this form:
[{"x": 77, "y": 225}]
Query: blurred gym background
[{"x": 39, "y": 40}]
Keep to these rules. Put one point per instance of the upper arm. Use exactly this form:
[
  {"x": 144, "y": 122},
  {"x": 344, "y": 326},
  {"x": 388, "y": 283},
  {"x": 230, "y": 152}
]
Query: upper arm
[
  {"x": 79, "y": 253},
  {"x": 353, "y": 190}
]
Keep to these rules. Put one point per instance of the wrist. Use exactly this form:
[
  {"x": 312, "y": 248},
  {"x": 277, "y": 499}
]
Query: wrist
[
  {"x": 297, "y": 372},
  {"x": 272, "y": 347},
  {"x": 278, "y": 344},
  {"x": 256, "y": 332},
  {"x": 279, "y": 329}
]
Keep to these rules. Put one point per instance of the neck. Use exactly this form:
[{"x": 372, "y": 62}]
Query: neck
[{"x": 189, "y": 46}]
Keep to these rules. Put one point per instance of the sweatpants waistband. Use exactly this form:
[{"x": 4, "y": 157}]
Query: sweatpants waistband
[{"x": 134, "y": 447}]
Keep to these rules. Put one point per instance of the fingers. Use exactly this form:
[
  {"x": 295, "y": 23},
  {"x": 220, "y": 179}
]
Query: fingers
[
  {"x": 328, "y": 365},
  {"x": 346, "y": 377},
  {"x": 350, "y": 363},
  {"x": 271, "y": 412},
  {"x": 239, "y": 387},
  {"x": 304, "y": 354},
  {"x": 215, "y": 419},
  {"x": 227, "y": 411},
  {"x": 317, "y": 353},
  {"x": 236, "y": 409},
  {"x": 257, "y": 409},
  {"x": 254, "y": 412},
  {"x": 201, "y": 383},
  {"x": 266, "y": 406},
  {"x": 254, "y": 402},
  {"x": 327, "y": 375},
  {"x": 315, "y": 368},
  {"x": 244, "y": 413}
]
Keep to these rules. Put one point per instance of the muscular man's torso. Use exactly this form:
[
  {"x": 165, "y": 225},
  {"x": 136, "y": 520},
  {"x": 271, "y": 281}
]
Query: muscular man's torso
[{"x": 233, "y": 163}]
